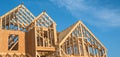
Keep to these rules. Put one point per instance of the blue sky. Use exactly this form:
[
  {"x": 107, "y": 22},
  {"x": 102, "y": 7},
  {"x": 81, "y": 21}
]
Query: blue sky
[{"x": 102, "y": 17}]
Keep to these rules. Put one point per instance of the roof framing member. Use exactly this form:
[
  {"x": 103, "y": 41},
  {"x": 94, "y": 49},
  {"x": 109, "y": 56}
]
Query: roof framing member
[
  {"x": 28, "y": 17},
  {"x": 30, "y": 14},
  {"x": 23, "y": 18},
  {"x": 26, "y": 20},
  {"x": 79, "y": 22}
]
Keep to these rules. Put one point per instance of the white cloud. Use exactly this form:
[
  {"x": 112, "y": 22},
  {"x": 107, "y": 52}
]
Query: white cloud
[{"x": 102, "y": 16}]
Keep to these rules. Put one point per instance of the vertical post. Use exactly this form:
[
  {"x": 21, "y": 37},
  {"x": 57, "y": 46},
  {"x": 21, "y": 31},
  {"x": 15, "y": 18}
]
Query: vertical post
[
  {"x": 99, "y": 53},
  {"x": 92, "y": 51},
  {"x": 73, "y": 46},
  {"x": 66, "y": 47},
  {"x": 83, "y": 46},
  {"x": 55, "y": 34},
  {"x": 78, "y": 44},
  {"x": 9, "y": 23},
  {"x": 35, "y": 37},
  {"x": 48, "y": 37},
  {"x": 5, "y": 22},
  {"x": 17, "y": 23},
  {"x": 35, "y": 34},
  {"x": 43, "y": 40},
  {"x": 95, "y": 52},
  {"x": 59, "y": 51},
  {"x": 71, "y": 50},
  {"x": 88, "y": 51},
  {"x": 105, "y": 52}
]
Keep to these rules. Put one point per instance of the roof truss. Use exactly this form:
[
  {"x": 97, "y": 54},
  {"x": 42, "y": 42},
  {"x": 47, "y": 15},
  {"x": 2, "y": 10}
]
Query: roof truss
[
  {"x": 79, "y": 30},
  {"x": 78, "y": 37},
  {"x": 19, "y": 15},
  {"x": 43, "y": 20}
]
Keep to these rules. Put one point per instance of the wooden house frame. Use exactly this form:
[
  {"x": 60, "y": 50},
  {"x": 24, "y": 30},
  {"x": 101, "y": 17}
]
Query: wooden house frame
[{"x": 24, "y": 35}]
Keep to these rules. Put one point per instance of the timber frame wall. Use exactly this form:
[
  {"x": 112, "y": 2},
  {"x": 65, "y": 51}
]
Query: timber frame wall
[{"x": 24, "y": 35}]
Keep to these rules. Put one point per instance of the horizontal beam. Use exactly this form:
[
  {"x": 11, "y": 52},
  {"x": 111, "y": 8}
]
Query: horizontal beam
[{"x": 45, "y": 48}]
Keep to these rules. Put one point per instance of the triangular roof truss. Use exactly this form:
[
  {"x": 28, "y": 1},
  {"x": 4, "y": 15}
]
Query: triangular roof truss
[{"x": 19, "y": 15}]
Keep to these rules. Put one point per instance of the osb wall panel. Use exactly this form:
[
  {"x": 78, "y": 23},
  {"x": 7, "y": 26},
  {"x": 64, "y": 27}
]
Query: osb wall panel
[{"x": 4, "y": 34}]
